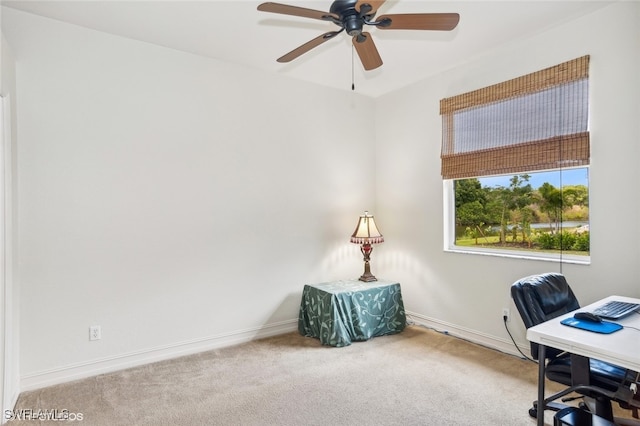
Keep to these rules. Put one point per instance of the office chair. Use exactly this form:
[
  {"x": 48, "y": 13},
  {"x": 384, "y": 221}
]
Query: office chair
[{"x": 542, "y": 297}]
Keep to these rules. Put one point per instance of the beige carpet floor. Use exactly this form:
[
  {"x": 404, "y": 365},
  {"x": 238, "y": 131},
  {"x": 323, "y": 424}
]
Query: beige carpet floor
[{"x": 417, "y": 377}]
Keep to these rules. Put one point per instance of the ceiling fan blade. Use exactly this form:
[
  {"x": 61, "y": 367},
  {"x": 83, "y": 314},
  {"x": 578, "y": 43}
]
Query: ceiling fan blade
[
  {"x": 367, "y": 51},
  {"x": 374, "y": 4},
  {"x": 285, "y": 9},
  {"x": 308, "y": 46},
  {"x": 420, "y": 21}
]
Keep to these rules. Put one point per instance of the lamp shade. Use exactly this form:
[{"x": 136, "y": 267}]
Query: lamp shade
[{"x": 366, "y": 231}]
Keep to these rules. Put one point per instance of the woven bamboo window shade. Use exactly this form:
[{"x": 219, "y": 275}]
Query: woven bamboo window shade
[{"x": 534, "y": 122}]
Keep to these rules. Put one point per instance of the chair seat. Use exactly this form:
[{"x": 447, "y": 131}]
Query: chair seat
[{"x": 604, "y": 375}]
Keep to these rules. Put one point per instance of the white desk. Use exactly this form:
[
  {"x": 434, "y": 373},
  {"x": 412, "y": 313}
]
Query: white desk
[{"x": 621, "y": 348}]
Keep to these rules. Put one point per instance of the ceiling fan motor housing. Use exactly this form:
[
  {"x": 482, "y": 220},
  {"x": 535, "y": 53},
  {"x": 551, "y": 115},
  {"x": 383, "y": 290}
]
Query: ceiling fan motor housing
[
  {"x": 353, "y": 25},
  {"x": 352, "y": 20}
]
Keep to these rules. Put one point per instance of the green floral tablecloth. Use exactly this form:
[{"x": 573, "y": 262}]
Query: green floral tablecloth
[{"x": 342, "y": 311}]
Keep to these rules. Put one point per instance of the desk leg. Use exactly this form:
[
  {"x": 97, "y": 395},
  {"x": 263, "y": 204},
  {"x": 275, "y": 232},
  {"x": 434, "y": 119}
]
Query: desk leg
[{"x": 541, "y": 366}]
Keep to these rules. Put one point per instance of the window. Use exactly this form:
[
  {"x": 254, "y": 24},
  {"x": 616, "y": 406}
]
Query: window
[{"x": 515, "y": 160}]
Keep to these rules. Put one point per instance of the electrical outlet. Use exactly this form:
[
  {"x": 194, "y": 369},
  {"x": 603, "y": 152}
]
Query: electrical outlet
[
  {"x": 95, "y": 333},
  {"x": 506, "y": 314}
]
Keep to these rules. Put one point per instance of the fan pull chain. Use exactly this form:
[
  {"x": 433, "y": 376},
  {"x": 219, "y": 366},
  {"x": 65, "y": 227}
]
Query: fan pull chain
[{"x": 353, "y": 84}]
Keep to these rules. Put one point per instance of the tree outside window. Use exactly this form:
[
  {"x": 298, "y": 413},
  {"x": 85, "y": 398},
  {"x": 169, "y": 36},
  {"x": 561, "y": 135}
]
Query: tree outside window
[{"x": 544, "y": 212}]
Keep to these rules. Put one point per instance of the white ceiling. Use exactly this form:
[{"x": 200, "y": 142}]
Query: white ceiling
[{"x": 236, "y": 32}]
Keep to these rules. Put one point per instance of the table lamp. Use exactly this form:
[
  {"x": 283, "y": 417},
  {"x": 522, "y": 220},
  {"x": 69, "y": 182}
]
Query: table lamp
[{"x": 366, "y": 233}]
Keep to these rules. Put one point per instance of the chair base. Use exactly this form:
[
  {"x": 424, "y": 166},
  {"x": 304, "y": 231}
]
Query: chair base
[
  {"x": 573, "y": 416},
  {"x": 603, "y": 406},
  {"x": 553, "y": 406}
]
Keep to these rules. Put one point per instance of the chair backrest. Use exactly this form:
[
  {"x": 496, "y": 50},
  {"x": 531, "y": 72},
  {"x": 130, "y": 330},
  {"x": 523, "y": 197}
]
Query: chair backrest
[{"x": 540, "y": 298}]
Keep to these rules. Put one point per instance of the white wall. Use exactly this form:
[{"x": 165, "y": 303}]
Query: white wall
[
  {"x": 466, "y": 293},
  {"x": 176, "y": 201},
  {"x": 9, "y": 297}
]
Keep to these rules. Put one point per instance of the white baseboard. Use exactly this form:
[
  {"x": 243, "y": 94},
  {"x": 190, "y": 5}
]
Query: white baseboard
[
  {"x": 69, "y": 373},
  {"x": 11, "y": 402},
  {"x": 493, "y": 342},
  {"x": 107, "y": 365}
]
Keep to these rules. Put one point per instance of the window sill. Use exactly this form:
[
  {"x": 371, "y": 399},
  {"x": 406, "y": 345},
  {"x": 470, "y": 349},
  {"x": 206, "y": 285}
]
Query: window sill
[{"x": 545, "y": 257}]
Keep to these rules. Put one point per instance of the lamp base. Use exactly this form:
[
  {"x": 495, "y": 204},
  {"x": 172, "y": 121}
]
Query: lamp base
[{"x": 367, "y": 278}]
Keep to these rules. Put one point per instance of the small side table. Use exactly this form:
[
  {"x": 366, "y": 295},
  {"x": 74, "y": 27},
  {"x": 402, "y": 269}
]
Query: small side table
[{"x": 339, "y": 312}]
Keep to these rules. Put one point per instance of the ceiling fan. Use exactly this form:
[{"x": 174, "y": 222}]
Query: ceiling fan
[{"x": 351, "y": 16}]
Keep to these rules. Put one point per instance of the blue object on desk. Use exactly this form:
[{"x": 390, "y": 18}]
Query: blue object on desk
[{"x": 604, "y": 327}]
